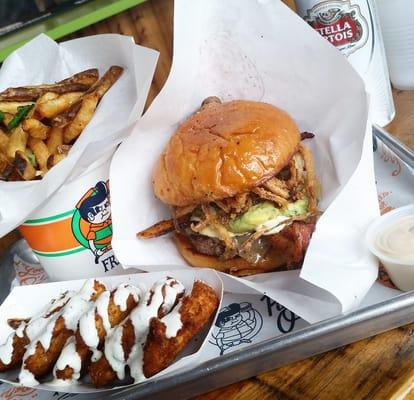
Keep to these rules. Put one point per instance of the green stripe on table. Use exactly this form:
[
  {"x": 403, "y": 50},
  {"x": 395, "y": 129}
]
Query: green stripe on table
[{"x": 65, "y": 23}]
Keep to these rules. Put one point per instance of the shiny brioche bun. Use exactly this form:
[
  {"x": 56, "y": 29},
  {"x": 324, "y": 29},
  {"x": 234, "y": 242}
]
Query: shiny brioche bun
[
  {"x": 222, "y": 150},
  {"x": 272, "y": 261}
]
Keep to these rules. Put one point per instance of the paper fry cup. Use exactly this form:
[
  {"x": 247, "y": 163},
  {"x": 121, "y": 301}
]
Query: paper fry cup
[{"x": 71, "y": 234}]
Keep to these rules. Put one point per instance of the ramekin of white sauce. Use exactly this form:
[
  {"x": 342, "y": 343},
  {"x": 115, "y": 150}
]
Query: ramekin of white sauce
[{"x": 391, "y": 239}]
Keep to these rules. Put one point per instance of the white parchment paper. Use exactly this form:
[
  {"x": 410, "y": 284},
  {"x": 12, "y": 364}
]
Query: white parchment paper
[
  {"x": 44, "y": 61},
  {"x": 261, "y": 50}
]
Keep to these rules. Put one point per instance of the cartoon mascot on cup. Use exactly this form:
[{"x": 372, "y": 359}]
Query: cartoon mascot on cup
[{"x": 94, "y": 208}]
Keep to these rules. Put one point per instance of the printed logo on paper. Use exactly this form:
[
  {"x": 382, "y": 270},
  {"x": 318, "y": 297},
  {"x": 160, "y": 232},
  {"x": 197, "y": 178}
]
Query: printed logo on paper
[
  {"x": 285, "y": 319},
  {"x": 92, "y": 224},
  {"x": 340, "y": 22},
  {"x": 236, "y": 324}
]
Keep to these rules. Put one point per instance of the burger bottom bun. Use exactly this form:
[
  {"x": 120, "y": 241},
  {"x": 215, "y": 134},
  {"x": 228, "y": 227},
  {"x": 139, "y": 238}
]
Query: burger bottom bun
[{"x": 273, "y": 260}]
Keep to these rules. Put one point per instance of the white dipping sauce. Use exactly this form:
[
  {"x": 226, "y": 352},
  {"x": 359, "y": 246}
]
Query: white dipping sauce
[{"x": 397, "y": 240}]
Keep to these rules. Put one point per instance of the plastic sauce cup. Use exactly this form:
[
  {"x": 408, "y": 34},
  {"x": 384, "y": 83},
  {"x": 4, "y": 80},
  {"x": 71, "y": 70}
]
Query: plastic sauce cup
[
  {"x": 71, "y": 234},
  {"x": 401, "y": 272}
]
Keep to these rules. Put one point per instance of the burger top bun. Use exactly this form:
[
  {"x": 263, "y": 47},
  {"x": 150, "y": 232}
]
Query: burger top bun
[{"x": 222, "y": 150}]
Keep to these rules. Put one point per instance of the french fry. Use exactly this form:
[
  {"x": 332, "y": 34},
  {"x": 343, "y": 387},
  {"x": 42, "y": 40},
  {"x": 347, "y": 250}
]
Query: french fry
[
  {"x": 7, "y": 118},
  {"x": 4, "y": 141},
  {"x": 66, "y": 116},
  {"x": 24, "y": 166},
  {"x": 35, "y": 128},
  {"x": 17, "y": 141},
  {"x": 87, "y": 77},
  {"x": 5, "y": 167},
  {"x": 100, "y": 88},
  {"x": 55, "y": 139},
  {"x": 40, "y": 151},
  {"x": 53, "y": 107},
  {"x": 79, "y": 82},
  {"x": 32, "y": 93},
  {"x": 82, "y": 118},
  {"x": 55, "y": 159},
  {"x": 46, "y": 97},
  {"x": 63, "y": 149},
  {"x": 11, "y": 106},
  {"x": 107, "y": 80}
]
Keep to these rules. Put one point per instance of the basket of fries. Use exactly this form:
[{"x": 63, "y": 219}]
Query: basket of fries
[{"x": 56, "y": 142}]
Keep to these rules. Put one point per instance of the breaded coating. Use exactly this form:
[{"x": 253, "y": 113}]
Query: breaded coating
[
  {"x": 102, "y": 373},
  {"x": 196, "y": 310},
  {"x": 42, "y": 361},
  {"x": 19, "y": 347},
  {"x": 159, "y": 351},
  {"x": 21, "y": 340},
  {"x": 115, "y": 317}
]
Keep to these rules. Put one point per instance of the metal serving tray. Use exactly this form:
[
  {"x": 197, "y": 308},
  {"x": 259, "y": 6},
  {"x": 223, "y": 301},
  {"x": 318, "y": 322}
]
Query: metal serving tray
[{"x": 269, "y": 354}]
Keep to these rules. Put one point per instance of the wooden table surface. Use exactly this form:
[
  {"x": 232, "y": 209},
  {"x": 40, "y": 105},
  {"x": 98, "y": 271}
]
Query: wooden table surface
[{"x": 381, "y": 367}]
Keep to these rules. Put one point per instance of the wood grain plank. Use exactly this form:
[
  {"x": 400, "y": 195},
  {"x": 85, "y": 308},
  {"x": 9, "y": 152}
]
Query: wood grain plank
[
  {"x": 375, "y": 368},
  {"x": 403, "y": 124}
]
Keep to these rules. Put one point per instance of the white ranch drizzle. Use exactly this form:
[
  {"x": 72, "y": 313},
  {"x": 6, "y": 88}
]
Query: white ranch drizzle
[
  {"x": 33, "y": 326},
  {"x": 172, "y": 321},
  {"x": 87, "y": 324},
  {"x": 71, "y": 312},
  {"x": 140, "y": 318},
  {"x": 6, "y": 350},
  {"x": 69, "y": 357},
  {"x": 89, "y": 332},
  {"x": 122, "y": 292}
]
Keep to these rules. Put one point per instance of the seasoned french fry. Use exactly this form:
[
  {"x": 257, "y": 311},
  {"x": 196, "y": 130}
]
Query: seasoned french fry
[
  {"x": 82, "y": 118},
  {"x": 100, "y": 88},
  {"x": 40, "y": 151},
  {"x": 55, "y": 139},
  {"x": 5, "y": 167},
  {"x": 107, "y": 80},
  {"x": 17, "y": 141},
  {"x": 46, "y": 97},
  {"x": 7, "y": 118},
  {"x": 53, "y": 107},
  {"x": 79, "y": 82},
  {"x": 31, "y": 93},
  {"x": 63, "y": 149},
  {"x": 66, "y": 116},
  {"x": 11, "y": 106},
  {"x": 4, "y": 141},
  {"x": 24, "y": 166},
  {"x": 35, "y": 128},
  {"x": 55, "y": 159},
  {"x": 87, "y": 77}
]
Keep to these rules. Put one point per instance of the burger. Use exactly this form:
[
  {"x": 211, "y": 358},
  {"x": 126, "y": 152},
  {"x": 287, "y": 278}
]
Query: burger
[{"x": 241, "y": 186}]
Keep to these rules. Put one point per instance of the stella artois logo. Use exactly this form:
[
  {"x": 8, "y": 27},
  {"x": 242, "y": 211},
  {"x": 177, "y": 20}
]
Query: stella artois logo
[{"x": 341, "y": 23}]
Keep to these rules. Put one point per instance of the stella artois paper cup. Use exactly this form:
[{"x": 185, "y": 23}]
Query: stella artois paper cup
[{"x": 71, "y": 234}]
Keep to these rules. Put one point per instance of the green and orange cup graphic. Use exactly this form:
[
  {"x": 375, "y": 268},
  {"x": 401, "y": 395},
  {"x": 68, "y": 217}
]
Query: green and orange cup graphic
[{"x": 71, "y": 235}]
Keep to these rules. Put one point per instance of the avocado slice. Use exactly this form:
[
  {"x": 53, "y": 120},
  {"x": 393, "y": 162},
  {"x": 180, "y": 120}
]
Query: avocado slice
[
  {"x": 255, "y": 215},
  {"x": 266, "y": 211},
  {"x": 299, "y": 207}
]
